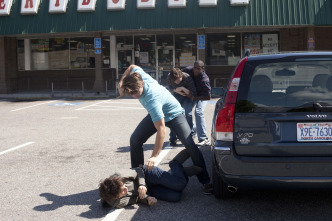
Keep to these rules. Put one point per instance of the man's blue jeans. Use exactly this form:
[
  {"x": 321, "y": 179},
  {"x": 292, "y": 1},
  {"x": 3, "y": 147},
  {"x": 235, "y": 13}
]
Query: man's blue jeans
[
  {"x": 180, "y": 126},
  {"x": 187, "y": 105},
  {"x": 164, "y": 185},
  {"x": 200, "y": 125}
]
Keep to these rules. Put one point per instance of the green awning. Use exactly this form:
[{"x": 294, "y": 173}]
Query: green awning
[{"x": 258, "y": 13}]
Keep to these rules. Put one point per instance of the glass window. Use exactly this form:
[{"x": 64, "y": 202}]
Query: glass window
[
  {"x": 82, "y": 53},
  {"x": 145, "y": 53},
  {"x": 20, "y": 55},
  {"x": 124, "y": 42},
  {"x": 165, "y": 57},
  {"x": 223, "y": 49},
  {"x": 286, "y": 86},
  {"x": 58, "y": 55},
  {"x": 39, "y": 54},
  {"x": 106, "y": 51},
  {"x": 259, "y": 43},
  {"x": 165, "y": 40},
  {"x": 185, "y": 50}
]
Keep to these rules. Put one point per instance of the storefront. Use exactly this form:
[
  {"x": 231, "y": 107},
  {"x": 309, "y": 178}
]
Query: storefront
[{"x": 88, "y": 44}]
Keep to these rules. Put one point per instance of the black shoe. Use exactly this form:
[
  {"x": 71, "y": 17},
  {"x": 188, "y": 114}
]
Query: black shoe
[
  {"x": 172, "y": 143},
  {"x": 208, "y": 189}
]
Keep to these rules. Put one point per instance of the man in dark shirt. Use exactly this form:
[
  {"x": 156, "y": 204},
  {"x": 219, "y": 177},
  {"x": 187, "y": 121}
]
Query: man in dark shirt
[
  {"x": 203, "y": 89},
  {"x": 178, "y": 83}
]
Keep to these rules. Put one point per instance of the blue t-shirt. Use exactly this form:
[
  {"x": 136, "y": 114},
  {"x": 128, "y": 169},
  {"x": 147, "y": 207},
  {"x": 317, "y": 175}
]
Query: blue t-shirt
[{"x": 157, "y": 100}]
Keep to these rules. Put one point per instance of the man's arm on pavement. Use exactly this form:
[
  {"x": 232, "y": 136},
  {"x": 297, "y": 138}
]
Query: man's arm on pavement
[{"x": 161, "y": 131}]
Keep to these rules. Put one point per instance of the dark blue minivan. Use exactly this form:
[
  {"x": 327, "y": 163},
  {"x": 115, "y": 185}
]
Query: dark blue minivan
[{"x": 273, "y": 125}]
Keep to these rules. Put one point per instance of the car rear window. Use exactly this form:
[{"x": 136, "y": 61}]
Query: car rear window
[{"x": 303, "y": 85}]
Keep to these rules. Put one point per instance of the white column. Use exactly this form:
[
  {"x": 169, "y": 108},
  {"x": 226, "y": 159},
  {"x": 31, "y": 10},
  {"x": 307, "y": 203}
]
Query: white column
[{"x": 27, "y": 54}]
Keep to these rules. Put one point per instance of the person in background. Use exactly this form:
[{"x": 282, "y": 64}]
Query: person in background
[
  {"x": 203, "y": 88},
  {"x": 179, "y": 83}
]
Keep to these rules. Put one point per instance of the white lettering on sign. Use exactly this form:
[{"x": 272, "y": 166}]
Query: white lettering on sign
[
  {"x": 5, "y": 6},
  {"x": 177, "y": 3},
  {"x": 60, "y": 6},
  {"x": 207, "y": 3},
  {"x": 116, "y": 4},
  {"x": 86, "y": 5},
  {"x": 146, "y": 4},
  {"x": 29, "y": 6},
  {"x": 57, "y": 6}
]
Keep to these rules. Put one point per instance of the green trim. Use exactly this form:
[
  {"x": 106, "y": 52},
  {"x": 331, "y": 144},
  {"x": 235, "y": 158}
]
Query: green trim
[{"x": 258, "y": 13}]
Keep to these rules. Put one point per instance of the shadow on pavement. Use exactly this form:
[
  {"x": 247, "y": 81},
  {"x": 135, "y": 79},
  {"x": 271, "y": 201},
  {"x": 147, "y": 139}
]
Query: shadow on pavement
[{"x": 85, "y": 198}]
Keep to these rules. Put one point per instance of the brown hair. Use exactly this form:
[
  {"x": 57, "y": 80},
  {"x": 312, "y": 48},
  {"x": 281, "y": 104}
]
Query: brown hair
[
  {"x": 175, "y": 74},
  {"x": 132, "y": 83},
  {"x": 109, "y": 189}
]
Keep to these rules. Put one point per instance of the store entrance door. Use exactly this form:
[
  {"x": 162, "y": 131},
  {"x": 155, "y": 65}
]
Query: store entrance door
[
  {"x": 165, "y": 63},
  {"x": 125, "y": 59}
]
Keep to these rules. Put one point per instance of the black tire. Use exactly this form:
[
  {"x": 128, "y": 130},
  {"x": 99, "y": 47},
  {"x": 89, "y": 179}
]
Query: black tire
[{"x": 219, "y": 186}]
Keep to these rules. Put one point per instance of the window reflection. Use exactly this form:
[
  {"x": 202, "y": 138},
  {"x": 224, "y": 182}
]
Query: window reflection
[
  {"x": 145, "y": 53},
  {"x": 58, "y": 53},
  {"x": 20, "y": 55},
  {"x": 185, "y": 50},
  {"x": 82, "y": 53},
  {"x": 106, "y": 51},
  {"x": 223, "y": 49}
]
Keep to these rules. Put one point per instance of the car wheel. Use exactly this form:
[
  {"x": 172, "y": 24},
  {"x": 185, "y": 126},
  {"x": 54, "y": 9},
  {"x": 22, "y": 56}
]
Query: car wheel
[{"x": 220, "y": 189}]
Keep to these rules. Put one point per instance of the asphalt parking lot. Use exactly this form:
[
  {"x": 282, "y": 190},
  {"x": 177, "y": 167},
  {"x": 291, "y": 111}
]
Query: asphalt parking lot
[{"x": 53, "y": 154}]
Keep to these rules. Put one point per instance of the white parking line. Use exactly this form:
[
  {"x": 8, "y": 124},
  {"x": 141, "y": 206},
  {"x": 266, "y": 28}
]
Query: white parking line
[
  {"x": 114, "y": 213},
  {"x": 114, "y": 108},
  {"x": 112, "y": 105},
  {"x": 92, "y": 105},
  {"x": 32, "y": 106},
  {"x": 15, "y": 148}
]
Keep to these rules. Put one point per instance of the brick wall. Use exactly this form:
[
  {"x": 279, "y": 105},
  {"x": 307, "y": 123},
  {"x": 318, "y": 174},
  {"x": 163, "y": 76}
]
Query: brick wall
[
  {"x": 323, "y": 38},
  {"x": 293, "y": 39}
]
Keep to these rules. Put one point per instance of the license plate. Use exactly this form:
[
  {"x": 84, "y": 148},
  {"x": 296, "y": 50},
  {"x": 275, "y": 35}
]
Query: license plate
[{"x": 314, "y": 132}]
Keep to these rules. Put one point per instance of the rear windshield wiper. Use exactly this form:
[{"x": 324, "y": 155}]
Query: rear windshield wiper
[
  {"x": 310, "y": 107},
  {"x": 319, "y": 107}
]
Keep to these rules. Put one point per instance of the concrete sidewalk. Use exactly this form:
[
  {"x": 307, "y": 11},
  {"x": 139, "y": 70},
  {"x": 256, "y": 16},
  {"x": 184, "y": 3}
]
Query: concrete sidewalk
[{"x": 44, "y": 95}]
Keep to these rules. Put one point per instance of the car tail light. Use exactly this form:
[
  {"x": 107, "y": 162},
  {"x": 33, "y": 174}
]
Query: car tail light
[{"x": 225, "y": 118}]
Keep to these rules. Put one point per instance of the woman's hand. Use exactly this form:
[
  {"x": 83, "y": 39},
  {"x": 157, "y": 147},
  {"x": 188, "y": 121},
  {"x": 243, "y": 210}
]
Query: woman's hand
[
  {"x": 142, "y": 192},
  {"x": 152, "y": 201}
]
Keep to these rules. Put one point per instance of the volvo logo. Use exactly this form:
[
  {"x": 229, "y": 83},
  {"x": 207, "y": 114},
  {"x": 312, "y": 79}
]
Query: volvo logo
[
  {"x": 245, "y": 135},
  {"x": 317, "y": 116}
]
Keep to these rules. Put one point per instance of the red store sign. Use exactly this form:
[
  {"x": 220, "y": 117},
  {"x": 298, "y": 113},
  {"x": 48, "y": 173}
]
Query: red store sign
[{"x": 60, "y": 6}]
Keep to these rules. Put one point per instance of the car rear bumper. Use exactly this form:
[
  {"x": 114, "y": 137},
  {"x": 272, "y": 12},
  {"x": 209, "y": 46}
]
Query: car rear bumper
[
  {"x": 298, "y": 172},
  {"x": 253, "y": 182}
]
